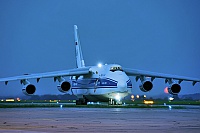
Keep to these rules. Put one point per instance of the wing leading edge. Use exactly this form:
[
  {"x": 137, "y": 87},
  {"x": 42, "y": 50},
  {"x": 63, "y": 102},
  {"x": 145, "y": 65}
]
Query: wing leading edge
[
  {"x": 70, "y": 72},
  {"x": 153, "y": 75}
]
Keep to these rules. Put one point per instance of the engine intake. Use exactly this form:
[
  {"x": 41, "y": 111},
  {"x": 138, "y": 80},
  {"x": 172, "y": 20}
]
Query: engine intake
[
  {"x": 29, "y": 89},
  {"x": 64, "y": 86},
  {"x": 146, "y": 86},
  {"x": 174, "y": 89}
]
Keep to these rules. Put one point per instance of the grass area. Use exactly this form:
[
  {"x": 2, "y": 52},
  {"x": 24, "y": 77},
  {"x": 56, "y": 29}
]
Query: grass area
[
  {"x": 161, "y": 102},
  {"x": 156, "y": 102},
  {"x": 71, "y": 103},
  {"x": 29, "y": 105}
]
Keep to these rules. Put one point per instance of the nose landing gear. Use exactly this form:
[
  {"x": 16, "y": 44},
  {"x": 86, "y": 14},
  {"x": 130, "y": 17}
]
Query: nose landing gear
[
  {"x": 81, "y": 101},
  {"x": 114, "y": 102}
]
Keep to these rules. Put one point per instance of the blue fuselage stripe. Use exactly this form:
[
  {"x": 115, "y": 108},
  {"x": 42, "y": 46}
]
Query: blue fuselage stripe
[{"x": 94, "y": 83}]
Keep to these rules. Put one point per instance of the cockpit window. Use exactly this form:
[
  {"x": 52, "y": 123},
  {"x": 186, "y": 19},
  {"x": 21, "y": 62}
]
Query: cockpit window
[{"x": 113, "y": 69}]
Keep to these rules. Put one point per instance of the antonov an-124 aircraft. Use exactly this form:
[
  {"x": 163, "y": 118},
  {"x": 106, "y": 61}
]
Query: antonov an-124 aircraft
[{"x": 109, "y": 82}]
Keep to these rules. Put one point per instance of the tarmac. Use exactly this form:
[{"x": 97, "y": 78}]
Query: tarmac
[{"x": 84, "y": 120}]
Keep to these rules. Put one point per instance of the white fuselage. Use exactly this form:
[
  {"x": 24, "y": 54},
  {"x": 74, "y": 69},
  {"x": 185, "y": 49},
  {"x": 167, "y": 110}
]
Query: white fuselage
[{"x": 104, "y": 82}]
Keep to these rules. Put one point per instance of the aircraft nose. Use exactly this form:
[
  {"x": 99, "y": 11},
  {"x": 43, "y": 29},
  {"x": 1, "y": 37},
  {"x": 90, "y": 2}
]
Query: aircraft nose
[{"x": 122, "y": 84}]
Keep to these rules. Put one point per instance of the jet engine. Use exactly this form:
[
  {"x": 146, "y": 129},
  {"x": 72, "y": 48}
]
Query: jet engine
[
  {"x": 64, "y": 86},
  {"x": 28, "y": 89},
  {"x": 174, "y": 88},
  {"x": 146, "y": 85}
]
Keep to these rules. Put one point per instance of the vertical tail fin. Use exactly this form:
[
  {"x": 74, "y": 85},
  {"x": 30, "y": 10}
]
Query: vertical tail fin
[{"x": 79, "y": 56}]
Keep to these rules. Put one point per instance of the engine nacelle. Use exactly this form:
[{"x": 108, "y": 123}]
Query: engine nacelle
[
  {"x": 64, "y": 86},
  {"x": 174, "y": 89},
  {"x": 146, "y": 85},
  {"x": 28, "y": 89}
]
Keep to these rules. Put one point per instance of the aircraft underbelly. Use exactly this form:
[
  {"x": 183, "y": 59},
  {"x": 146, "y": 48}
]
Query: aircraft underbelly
[
  {"x": 104, "y": 97},
  {"x": 101, "y": 94}
]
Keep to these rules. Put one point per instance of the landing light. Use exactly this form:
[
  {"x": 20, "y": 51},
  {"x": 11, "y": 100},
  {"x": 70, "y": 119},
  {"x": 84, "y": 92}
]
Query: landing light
[
  {"x": 100, "y": 65},
  {"x": 117, "y": 97}
]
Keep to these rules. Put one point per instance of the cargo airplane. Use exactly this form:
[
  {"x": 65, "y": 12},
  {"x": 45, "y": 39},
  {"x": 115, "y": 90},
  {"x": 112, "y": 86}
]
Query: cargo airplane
[{"x": 109, "y": 82}]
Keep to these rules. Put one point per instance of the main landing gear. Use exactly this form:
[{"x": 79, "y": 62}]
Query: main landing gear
[{"x": 81, "y": 101}]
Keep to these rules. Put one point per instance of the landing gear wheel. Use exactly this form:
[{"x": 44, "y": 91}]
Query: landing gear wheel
[
  {"x": 114, "y": 102},
  {"x": 81, "y": 101}
]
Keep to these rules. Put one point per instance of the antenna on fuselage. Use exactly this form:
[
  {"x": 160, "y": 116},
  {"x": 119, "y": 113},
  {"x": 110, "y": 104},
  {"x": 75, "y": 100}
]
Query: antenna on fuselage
[{"x": 79, "y": 56}]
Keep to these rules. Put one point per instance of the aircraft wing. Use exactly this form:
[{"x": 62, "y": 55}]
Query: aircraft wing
[
  {"x": 70, "y": 72},
  {"x": 153, "y": 75}
]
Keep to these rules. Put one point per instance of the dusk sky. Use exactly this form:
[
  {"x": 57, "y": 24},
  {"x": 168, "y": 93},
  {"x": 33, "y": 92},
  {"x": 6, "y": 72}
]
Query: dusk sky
[{"x": 153, "y": 35}]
